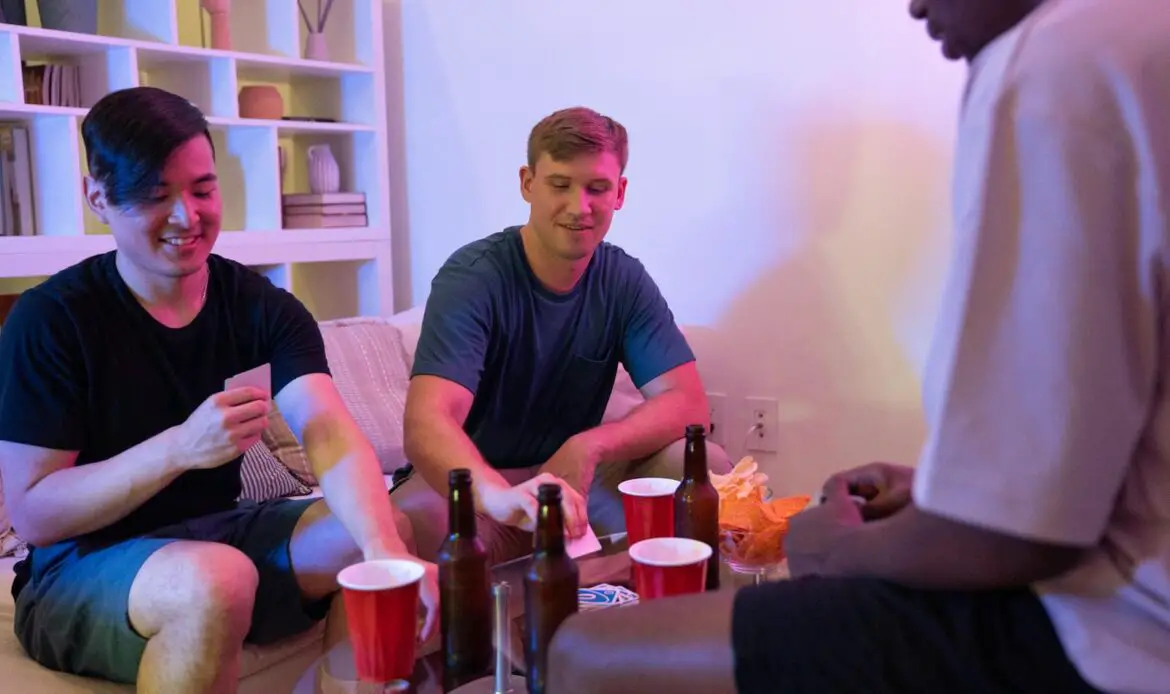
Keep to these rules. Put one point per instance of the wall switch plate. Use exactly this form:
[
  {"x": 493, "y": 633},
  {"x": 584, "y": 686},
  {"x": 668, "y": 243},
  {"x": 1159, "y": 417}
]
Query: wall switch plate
[
  {"x": 764, "y": 414},
  {"x": 717, "y": 425}
]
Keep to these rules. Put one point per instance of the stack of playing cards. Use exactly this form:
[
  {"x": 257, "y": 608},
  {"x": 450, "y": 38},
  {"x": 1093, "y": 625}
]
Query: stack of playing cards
[{"x": 604, "y": 595}]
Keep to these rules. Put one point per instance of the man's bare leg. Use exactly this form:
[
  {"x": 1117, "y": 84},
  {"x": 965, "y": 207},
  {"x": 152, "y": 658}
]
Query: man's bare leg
[
  {"x": 320, "y": 548},
  {"x": 192, "y": 601}
]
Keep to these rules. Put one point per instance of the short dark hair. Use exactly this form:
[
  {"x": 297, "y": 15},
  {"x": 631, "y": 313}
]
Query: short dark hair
[
  {"x": 571, "y": 132},
  {"x": 130, "y": 133}
]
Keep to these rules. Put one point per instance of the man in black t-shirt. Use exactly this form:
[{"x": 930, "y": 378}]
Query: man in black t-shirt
[{"x": 120, "y": 447}]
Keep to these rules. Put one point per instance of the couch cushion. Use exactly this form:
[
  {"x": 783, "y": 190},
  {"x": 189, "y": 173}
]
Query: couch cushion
[{"x": 370, "y": 370}]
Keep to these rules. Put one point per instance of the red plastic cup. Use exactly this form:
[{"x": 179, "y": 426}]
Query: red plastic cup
[
  {"x": 666, "y": 566},
  {"x": 649, "y": 507},
  {"x": 381, "y": 606}
]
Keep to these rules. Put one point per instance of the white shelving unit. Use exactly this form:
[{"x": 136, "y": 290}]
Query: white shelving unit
[{"x": 336, "y": 272}]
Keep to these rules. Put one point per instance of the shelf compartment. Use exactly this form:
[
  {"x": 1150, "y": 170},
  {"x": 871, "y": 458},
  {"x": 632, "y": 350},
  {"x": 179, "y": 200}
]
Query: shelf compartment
[
  {"x": 103, "y": 67},
  {"x": 349, "y": 30},
  {"x": 357, "y": 160},
  {"x": 340, "y": 289},
  {"x": 340, "y": 100},
  {"x": 279, "y": 274},
  {"x": 248, "y": 170},
  {"x": 206, "y": 81},
  {"x": 143, "y": 20}
]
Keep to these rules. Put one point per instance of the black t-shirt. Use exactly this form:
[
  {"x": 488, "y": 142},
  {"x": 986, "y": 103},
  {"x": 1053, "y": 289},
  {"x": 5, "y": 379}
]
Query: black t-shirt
[
  {"x": 540, "y": 364},
  {"x": 84, "y": 367}
]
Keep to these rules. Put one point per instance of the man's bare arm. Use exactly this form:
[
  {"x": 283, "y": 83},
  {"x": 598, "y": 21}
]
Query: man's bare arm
[
  {"x": 50, "y": 499},
  {"x": 434, "y": 440},
  {"x": 681, "y": 645},
  {"x": 343, "y": 461},
  {"x": 673, "y": 400}
]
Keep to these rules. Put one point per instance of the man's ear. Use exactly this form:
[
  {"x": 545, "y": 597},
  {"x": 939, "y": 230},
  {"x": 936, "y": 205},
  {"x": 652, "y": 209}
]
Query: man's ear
[
  {"x": 95, "y": 198},
  {"x": 621, "y": 193},
  {"x": 526, "y": 183}
]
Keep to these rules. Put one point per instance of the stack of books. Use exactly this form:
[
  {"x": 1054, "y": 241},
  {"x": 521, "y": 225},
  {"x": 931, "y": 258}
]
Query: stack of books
[{"x": 321, "y": 210}]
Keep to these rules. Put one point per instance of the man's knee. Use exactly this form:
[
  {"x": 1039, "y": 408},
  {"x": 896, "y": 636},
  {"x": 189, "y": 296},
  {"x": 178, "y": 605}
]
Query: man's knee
[
  {"x": 423, "y": 511},
  {"x": 183, "y": 582},
  {"x": 669, "y": 461},
  {"x": 405, "y": 529}
]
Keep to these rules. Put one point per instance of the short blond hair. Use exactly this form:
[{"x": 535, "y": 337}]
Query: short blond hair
[{"x": 571, "y": 132}]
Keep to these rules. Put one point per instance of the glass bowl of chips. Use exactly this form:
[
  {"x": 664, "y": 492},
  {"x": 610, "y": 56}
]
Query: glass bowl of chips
[{"x": 752, "y": 523}]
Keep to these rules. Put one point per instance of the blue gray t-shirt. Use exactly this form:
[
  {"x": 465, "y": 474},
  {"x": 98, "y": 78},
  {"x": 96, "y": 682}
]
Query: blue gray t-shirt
[{"x": 540, "y": 364}]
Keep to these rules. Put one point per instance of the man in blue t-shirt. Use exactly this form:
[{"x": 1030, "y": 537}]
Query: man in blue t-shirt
[{"x": 521, "y": 340}]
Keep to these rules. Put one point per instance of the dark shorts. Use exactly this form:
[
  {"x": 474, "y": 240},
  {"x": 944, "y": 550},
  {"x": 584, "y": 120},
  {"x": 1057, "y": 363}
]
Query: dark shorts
[
  {"x": 72, "y": 614},
  {"x": 862, "y": 636}
]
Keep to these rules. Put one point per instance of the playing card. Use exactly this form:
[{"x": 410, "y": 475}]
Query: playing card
[
  {"x": 259, "y": 377},
  {"x": 603, "y": 595},
  {"x": 586, "y": 544}
]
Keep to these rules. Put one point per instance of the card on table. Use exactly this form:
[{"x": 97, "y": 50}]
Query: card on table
[
  {"x": 259, "y": 377},
  {"x": 586, "y": 544},
  {"x": 604, "y": 595}
]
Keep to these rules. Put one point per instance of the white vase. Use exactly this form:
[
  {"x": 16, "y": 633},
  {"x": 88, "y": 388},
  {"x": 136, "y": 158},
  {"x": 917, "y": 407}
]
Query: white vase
[
  {"x": 324, "y": 174},
  {"x": 316, "y": 48}
]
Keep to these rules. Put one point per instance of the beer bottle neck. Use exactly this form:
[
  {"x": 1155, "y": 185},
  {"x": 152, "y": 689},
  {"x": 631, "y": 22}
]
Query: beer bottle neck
[
  {"x": 461, "y": 512},
  {"x": 550, "y": 529},
  {"x": 695, "y": 460}
]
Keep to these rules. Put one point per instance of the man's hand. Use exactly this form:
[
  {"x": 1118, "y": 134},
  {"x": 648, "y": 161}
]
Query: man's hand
[
  {"x": 885, "y": 487},
  {"x": 517, "y": 506},
  {"x": 222, "y": 427},
  {"x": 574, "y": 462},
  {"x": 428, "y": 588},
  {"x": 812, "y": 534}
]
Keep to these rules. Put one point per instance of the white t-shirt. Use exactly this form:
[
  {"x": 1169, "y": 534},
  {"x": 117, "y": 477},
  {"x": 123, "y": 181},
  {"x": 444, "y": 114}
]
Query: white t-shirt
[{"x": 1044, "y": 391}]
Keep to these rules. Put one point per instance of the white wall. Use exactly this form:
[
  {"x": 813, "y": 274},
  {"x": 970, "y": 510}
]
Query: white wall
[{"x": 789, "y": 183}]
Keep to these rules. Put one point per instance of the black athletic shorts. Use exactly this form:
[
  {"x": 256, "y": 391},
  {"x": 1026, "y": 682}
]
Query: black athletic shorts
[
  {"x": 861, "y": 636},
  {"x": 72, "y": 610}
]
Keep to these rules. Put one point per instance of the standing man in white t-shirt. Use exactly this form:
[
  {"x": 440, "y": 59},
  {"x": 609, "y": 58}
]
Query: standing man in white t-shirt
[{"x": 1030, "y": 551}]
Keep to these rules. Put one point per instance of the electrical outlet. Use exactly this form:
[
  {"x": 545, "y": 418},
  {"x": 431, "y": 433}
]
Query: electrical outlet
[
  {"x": 716, "y": 427},
  {"x": 764, "y": 414}
]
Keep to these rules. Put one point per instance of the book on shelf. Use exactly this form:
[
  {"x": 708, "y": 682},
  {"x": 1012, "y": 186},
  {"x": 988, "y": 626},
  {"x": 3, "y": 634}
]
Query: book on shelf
[
  {"x": 324, "y": 210},
  {"x": 294, "y": 199},
  {"x": 16, "y": 184},
  {"x": 323, "y": 221}
]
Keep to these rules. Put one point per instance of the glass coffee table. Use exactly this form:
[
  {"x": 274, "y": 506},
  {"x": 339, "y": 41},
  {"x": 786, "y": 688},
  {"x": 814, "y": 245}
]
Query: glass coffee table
[{"x": 334, "y": 672}]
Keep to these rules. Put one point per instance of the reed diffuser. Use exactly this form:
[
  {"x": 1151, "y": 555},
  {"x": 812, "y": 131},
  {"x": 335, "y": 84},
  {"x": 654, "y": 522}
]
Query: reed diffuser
[{"x": 315, "y": 46}]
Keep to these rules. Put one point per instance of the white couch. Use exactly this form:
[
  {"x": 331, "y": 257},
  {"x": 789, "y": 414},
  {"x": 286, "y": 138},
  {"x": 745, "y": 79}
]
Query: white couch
[{"x": 370, "y": 359}]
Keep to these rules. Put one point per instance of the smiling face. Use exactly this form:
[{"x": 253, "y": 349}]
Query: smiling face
[
  {"x": 966, "y": 27},
  {"x": 573, "y": 202},
  {"x": 172, "y": 230}
]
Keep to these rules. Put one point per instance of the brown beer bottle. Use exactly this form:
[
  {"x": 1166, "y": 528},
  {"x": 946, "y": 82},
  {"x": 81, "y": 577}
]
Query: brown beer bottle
[
  {"x": 696, "y": 503},
  {"x": 465, "y": 612},
  {"x": 550, "y": 586}
]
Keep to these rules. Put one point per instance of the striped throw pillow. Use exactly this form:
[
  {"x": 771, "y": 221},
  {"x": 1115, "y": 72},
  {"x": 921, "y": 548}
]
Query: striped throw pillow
[{"x": 263, "y": 477}]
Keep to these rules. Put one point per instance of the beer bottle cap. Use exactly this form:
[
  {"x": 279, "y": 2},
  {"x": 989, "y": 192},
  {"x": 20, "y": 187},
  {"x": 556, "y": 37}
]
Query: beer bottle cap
[
  {"x": 549, "y": 494},
  {"x": 694, "y": 430},
  {"x": 459, "y": 477}
]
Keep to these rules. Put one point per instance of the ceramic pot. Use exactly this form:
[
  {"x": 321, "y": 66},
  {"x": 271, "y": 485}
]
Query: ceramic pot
[
  {"x": 80, "y": 16},
  {"x": 324, "y": 175},
  {"x": 261, "y": 101}
]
